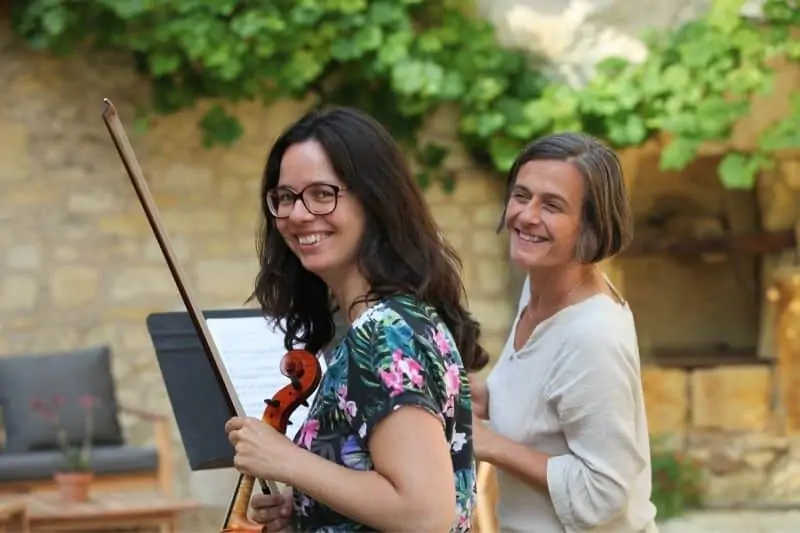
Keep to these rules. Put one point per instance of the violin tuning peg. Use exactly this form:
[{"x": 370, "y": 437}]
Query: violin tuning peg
[
  {"x": 289, "y": 423},
  {"x": 304, "y": 403}
]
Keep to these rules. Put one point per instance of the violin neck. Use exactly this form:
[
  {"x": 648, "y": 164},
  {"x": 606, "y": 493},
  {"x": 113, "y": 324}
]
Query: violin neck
[{"x": 236, "y": 519}]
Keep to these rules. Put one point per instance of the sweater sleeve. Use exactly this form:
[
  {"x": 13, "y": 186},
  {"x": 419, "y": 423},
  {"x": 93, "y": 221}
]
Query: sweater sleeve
[{"x": 592, "y": 388}]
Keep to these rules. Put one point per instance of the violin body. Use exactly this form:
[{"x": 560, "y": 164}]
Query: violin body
[{"x": 304, "y": 373}]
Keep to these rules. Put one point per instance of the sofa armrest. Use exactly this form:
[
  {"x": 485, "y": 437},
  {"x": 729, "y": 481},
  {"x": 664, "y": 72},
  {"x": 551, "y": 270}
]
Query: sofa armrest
[{"x": 163, "y": 441}]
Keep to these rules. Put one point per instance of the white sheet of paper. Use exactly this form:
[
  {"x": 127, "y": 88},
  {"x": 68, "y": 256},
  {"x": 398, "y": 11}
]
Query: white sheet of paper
[{"x": 251, "y": 350}]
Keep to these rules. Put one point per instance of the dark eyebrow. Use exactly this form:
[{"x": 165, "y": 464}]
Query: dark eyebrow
[{"x": 315, "y": 182}]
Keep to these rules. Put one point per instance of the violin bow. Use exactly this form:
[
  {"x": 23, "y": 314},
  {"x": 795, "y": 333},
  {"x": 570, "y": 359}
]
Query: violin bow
[{"x": 134, "y": 171}]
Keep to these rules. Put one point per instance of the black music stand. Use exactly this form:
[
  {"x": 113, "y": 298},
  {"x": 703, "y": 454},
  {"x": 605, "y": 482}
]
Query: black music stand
[{"x": 197, "y": 396}]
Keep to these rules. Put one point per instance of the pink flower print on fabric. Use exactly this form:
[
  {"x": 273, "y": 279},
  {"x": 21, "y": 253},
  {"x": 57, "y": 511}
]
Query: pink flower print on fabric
[
  {"x": 452, "y": 384},
  {"x": 308, "y": 433},
  {"x": 442, "y": 343},
  {"x": 348, "y": 407},
  {"x": 452, "y": 380},
  {"x": 401, "y": 367},
  {"x": 464, "y": 523}
]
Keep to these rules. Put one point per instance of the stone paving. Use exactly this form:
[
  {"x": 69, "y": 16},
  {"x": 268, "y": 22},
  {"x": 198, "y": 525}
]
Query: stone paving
[{"x": 735, "y": 522}]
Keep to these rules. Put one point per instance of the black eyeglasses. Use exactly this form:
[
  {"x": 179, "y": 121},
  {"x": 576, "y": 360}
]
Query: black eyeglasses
[{"x": 318, "y": 198}]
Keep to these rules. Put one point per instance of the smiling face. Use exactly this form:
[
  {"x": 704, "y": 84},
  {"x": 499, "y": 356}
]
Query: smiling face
[
  {"x": 325, "y": 244},
  {"x": 544, "y": 213}
]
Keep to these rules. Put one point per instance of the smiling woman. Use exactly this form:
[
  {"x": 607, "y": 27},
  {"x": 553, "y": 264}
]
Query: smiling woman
[
  {"x": 566, "y": 427},
  {"x": 387, "y": 444},
  {"x": 321, "y": 230}
]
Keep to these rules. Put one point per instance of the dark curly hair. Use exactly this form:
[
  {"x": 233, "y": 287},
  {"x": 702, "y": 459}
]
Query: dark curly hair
[{"x": 401, "y": 252}]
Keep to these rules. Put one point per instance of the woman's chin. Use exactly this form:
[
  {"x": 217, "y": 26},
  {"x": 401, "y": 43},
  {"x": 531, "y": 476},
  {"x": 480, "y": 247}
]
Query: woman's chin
[
  {"x": 525, "y": 260},
  {"x": 315, "y": 264}
]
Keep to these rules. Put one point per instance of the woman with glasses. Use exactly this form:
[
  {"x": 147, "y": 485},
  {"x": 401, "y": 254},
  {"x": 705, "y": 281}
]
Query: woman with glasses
[
  {"x": 567, "y": 424},
  {"x": 386, "y": 445}
]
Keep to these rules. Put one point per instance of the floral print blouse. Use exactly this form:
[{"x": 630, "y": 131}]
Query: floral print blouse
[{"x": 398, "y": 352}]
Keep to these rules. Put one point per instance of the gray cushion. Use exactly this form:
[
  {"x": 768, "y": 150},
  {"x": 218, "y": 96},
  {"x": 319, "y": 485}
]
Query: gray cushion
[
  {"x": 106, "y": 460},
  {"x": 69, "y": 375}
]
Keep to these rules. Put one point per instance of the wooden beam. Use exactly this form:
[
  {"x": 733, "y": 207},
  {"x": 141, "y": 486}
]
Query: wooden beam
[
  {"x": 703, "y": 357},
  {"x": 754, "y": 244}
]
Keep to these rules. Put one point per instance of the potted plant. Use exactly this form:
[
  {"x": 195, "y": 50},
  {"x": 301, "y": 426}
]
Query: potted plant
[{"x": 76, "y": 476}]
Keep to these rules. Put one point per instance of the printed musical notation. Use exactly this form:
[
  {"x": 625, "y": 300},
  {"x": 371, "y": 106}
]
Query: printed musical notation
[{"x": 251, "y": 350}]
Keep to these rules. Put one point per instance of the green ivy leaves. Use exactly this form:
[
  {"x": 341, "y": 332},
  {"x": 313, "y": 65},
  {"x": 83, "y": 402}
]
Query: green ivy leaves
[{"x": 402, "y": 59}]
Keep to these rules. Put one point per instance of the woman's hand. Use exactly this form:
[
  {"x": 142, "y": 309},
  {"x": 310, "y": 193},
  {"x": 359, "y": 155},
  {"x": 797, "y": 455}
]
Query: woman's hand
[
  {"x": 483, "y": 439},
  {"x": 480, "y": 396},
  {"x": 260, "y": 450},
  {"x": 273, "y": 510}
]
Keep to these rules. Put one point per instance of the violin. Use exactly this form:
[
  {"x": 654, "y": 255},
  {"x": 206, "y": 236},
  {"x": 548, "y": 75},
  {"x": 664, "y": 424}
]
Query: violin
[
  {"x": 300, "y": 366},
  {"x": 304, "y": 372}
]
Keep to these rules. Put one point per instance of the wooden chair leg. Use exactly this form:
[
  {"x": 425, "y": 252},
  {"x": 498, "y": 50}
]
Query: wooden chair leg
[
  {"x": 487, "y": 497},
  {"x": 169, "y": 526},
  {"x": 15, "y": 520}
]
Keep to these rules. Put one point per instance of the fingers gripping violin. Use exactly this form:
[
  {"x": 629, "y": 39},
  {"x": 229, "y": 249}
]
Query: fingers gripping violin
[
  {"x": 303, "y": 370},
  {"x": 300, "y": 366}
]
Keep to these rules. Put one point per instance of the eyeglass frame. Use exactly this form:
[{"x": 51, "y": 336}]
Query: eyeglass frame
[{"x": 337, "y": 189}]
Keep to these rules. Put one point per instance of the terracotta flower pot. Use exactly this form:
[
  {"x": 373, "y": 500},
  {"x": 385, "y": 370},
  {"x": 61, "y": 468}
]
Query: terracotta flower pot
[{"x": 74, "y": 487}]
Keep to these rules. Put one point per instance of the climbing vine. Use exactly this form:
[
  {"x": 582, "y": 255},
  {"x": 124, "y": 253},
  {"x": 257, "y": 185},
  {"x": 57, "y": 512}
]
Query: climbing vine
[{"x": 401, "y": 59}]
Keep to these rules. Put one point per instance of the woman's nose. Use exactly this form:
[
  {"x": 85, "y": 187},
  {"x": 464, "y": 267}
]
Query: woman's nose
[
  {"x": 299, "y": 212},
  {"x": 532, "y": 213}
]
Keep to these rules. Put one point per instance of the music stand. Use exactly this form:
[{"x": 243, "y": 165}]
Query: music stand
[{"x": 200, "y": 403}]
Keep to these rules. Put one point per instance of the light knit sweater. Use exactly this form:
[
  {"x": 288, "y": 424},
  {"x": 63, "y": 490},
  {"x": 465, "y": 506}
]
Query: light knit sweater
[{"x": 574, "y": 392}]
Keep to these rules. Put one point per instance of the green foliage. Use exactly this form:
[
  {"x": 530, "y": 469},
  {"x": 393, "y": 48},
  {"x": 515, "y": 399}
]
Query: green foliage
[
  {"x": 677, "y": 485},
  {"x": 402, "y": 59}
]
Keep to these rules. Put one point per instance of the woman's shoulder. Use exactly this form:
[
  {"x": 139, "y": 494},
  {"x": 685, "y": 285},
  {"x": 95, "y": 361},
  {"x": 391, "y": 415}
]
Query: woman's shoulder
[
  {"x": 404, "y": 321},
  {"x": 402, "y": 312},
  {"x": 599, "y": 323}
]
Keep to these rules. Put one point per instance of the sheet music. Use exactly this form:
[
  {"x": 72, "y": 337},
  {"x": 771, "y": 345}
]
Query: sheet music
[{"x": 251, "y": 350}]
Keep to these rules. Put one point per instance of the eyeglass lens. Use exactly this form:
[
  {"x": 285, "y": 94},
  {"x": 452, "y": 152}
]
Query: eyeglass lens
[{"x": 319, "y": 199}]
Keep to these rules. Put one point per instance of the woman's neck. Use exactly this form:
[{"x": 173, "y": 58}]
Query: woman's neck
[
  {"x": 554, "y": 287},
  {"x": 346, "y": 290}
]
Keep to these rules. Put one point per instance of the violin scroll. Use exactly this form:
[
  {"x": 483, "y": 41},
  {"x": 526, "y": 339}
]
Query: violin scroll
[{"x": 304, "y": 372}]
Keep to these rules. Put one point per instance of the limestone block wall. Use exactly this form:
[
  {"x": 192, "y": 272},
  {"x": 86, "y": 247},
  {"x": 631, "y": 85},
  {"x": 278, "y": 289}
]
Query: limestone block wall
[
  {"x": 78, "y": 262},
  {"x": 576, "y": 34},
  {"x": 742, "y": 423}
]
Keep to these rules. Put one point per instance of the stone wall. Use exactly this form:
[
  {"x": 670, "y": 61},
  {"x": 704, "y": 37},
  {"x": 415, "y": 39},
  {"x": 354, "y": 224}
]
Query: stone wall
[
  {"x": 740, "y": 423},
  {"x": 78, "y": 263},
  {"x": 576, "y": 34}
]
